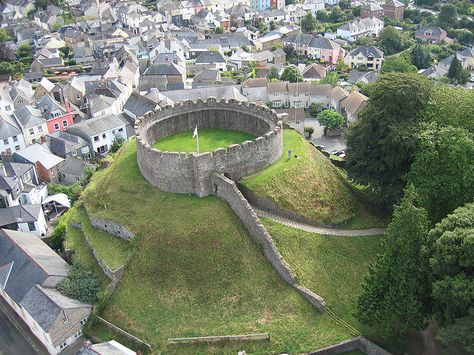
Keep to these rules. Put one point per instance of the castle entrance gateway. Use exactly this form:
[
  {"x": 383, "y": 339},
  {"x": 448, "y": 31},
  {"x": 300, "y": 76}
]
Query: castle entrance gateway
[{"x": 191, "y": 172}]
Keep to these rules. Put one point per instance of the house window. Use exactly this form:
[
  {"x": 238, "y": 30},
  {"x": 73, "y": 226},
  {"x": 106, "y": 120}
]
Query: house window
[
  {"x": 32, "y": 131},
  {"x": 96, "y": 138},
  {"x": 103, "y": 135},
  {"x": 64, "y": 123},
  {"x": 120, "y": 130},
  {"x": 83, "y": 321},
  {"x": 78, "y": 97},
  {"x": 17, "y": 147},
  {"x": 31, "y": 226},
  {"x": 40, "y": 129},
  {"x": 5, "y": 141},
  {"x": 74, "y": 153},
  {"x": 63, "y": 345},
  {"x": 56, "y": 126},
  {"x": 15, "y": 139}
]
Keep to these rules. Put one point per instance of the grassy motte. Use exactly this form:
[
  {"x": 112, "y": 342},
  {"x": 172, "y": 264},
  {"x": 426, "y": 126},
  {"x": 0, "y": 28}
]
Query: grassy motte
[
  {"x": 311, "y": 187},
  {"x": 194, "y": 271},
  {"x": 209, "y": 140},
  {"x": 335, "y": 267}
]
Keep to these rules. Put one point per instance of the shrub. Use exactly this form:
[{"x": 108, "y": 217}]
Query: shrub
[
  {"x": 72, "y": 191},
  {"x": 309, "y": 130},
  {"x": 81, "y": 284}
]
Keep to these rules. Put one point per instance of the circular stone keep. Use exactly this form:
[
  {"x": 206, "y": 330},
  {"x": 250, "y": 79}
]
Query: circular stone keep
[{"x": 191, "y": 172}]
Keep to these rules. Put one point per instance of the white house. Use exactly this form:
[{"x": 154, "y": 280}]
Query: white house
[
  {"x": 101, "y": 131},
  {"x": 351, "y": 31},
  {"x": 11, "y": 137},
  {"x": 255, "y": 89}
]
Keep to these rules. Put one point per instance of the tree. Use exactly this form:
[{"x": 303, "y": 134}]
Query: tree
[
  {"x": 395, "y": 294},
  {"x": 421, "y": 56},
  {"x": 336, "y": 14},
  {"x": 315, "y": 109},
  {"x": 345, "y": 4},
  {"x": 25, "y": 54},
  {"x": 442, "y": 171},
  {"x": 447, "y": 16},
  {"x": 273, "y": 74},
  {"x": 218, "y": 30},
  {"x": 397, "y": 64},
  {"x": 331, "y": 78},
  {"x": 4, "y": 37},
  {"x": 322, "y": 15},
  {"x": 460, "y": 334},
  {"x": 117, "y": 143},
  {"x": 331, "y": 120},
  {"x": 272, "y": 25},
  {"x": 81, "y": 284},
  {"x": 382, "y": 143},
  {"x": 390, "y": 40},
  {"x": 308, "y": 22},
  {"x": 291, "y": 74},
  {"x": 450, "y": 251},
  {"x": 289, "y": 50},
  {"x": 457, "y": 73}
]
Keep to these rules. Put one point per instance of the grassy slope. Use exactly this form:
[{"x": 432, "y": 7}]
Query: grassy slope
[
  {"x": 311, "y": 187},
  {"x": 209, "y": 140},
  {"x": 195, "y": 271},
  {"x": 112, "y": 250},
  {"x": 335, "y": 267}
]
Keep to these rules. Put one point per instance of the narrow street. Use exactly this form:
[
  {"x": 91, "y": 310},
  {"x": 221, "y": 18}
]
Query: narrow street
[{"x": 12, "y": 341}]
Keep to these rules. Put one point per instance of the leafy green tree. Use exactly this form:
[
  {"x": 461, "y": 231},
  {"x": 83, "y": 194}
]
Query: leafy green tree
[
  {"x": 345, "y": 4},
  {"x": 459, "y": 335},
  {"x": 331, "y": 120},
  {"x": 273, "y": 74},
  {"x": 291, "y": 74},
  {"x": 308, "y": 22},
  {"x": 396, "y": 291},
  {"x": 336, "y": 14},
  {"x": 442, "y": 171},
  {"x": 390, "y": 40},
  {"x": 451, "y": 106},
  {"x": 322, "y": 15},
  {"x": 117, "y": 143},
  {"x": 448, "y": 16},
  {"x": 315, "y": 109},
  {"x": 73, "y": 191},
  {"x": 421, "y": 56},
  {"x": 457, "y": 73},
  {"x": 272, "y": 25},
  {"x": 397, "y": 64},
  {"x": 25, "y": 54},
  {"x": 331, "y": 78},
  {"x": 218, "y": 30},
  {"x": 81, "y": 284},
  {"x": 4, "y": 37},
  {"x": 450, "y": 250},
  {"x": 382, "y": 143}
]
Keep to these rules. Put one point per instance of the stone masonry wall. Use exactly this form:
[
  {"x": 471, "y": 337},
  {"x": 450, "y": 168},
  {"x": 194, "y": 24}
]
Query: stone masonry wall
[
  {"x": 227, "y": 189},
  {"x": 358, "y": 343},
  {"x": 111, "y": 227},
  {"x": 191, "y": 173}
]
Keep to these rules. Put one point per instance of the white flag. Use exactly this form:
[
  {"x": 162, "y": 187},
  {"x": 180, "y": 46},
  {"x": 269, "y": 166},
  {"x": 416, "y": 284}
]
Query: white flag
[{"x": 195, "y": 133}]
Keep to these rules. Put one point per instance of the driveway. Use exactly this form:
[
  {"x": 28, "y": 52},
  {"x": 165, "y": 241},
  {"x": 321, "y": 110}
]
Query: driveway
[
  {"x": 329, "y": 143},
  {"x": 12, "y": 342}
]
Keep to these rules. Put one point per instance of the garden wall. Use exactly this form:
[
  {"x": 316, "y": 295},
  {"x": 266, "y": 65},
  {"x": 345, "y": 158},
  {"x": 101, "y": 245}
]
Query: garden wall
[
  {"x": 227, "y": 189},
  {"x": 358, "y": 343}
]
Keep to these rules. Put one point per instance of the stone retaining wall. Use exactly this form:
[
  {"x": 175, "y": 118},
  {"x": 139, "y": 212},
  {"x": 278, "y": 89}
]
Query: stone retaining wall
[
  {"x": 111, "y": 227},
  {"x": 191, "y": 173},
  {"x": 227, "y": 189},
  {"x": 358, "y": 343}
]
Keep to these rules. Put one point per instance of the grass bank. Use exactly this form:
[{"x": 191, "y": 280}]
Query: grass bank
[
  {"x": 210, "y": 139},
  {"x": 194, "y": 271},
  {"x": 311, "y": 187}
]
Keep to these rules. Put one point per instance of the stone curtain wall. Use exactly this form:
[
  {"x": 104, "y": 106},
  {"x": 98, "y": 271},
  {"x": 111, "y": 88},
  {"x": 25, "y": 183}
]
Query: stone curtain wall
[
  {"x": 110, "y": 227},
  {"x": 191, "y": 173},
  {"x": 227, "y": 189}
]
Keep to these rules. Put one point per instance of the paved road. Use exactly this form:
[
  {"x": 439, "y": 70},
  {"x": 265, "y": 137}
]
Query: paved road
[
  {"x": 12, "y": 341},
  {"x": 319, "y": 230}
]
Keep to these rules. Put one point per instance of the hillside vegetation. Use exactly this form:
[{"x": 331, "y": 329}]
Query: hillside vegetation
[
  {"x": 311, "y": 187},
  {"x": 194, "y": 271}
]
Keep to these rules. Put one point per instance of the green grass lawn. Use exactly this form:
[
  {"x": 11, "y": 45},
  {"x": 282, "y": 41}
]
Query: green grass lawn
[
  {"x": 194, "y": 271},
  {"x": 112, "y": 250},
  {"x": 334, "y": 267},
  {"x": 209, "y": 140},
  {"x": 311, "y": 187}
]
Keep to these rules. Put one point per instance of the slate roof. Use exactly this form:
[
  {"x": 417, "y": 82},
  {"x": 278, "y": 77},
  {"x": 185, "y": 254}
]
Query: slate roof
[
  {"x": 38, "y": 153},
  {"x": 20, "y": 213},
  {"x": 139, "y": 105},
  {"x": 313, "y": 41},
  {"x": 356, "y": 76},
  {"x": 46, "y": 304},
  {"x": 17, "y": 169},
  {"x": 359, "y": 25},
  {"x": 73, "y": 166},
  {"x": 97, "y": 125},
  {"x": 339, "y": 93},
  {"x": 210, "y": 57},
  {"x": 34, "y": 262},
  {"x": 367, "y": 51},
  {"x": 207, "y": 75},
  {"x": 371, "y": 6},
  {"x": 279, "y": 86},
  {"x": 434, "y": 30},
  {"x": 222, "y": 92},
  {"x": 28, "y": 116},
  {"x": 61, "y": 143},
  {"x": 163, "y": 69},
  {"x": 7, "y": 129},
  {"x": 394, "y": 3},
  {"x": 5, "y": 271}
]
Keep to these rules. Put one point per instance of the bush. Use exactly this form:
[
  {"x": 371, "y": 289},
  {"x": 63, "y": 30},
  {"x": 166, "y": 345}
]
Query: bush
[
  {"x": 73, "y": 191},
  {"x": 309, "y": 130},
  {"x": 81, "y": 284},
  {"x": 57, "y": 237},
  {"x": 117, "y": 143}
]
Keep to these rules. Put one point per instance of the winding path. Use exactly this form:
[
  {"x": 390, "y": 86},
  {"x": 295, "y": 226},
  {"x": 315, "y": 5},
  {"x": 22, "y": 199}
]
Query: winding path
[{"x": 319, "y": 230}]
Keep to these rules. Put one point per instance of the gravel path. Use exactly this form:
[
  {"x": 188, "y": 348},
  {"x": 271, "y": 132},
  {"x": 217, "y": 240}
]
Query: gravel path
[{"x": 319, "y": 230}]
